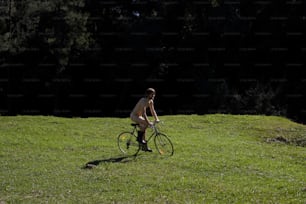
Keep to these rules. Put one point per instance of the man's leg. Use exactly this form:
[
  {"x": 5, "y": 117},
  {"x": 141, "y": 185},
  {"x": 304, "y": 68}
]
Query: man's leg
[
  {"x": 141, "y": 137},
  {"x": 142, "y": 128}
]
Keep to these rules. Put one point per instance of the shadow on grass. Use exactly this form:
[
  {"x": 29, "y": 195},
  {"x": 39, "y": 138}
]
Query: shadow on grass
[{"x": 121, "y": 159}]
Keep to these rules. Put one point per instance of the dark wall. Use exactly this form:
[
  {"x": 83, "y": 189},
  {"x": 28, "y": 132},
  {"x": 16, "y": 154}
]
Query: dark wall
[{"x": 242, "y": 57}]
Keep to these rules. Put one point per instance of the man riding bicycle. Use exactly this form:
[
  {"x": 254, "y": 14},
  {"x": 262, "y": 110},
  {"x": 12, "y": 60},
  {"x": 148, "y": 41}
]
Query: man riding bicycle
[{"x": 139, "y": 116}]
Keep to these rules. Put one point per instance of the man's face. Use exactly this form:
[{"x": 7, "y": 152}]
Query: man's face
[{"x": 151, "y": 96}]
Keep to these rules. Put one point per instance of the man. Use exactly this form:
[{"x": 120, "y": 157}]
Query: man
[{"x": 139, "y": 115}]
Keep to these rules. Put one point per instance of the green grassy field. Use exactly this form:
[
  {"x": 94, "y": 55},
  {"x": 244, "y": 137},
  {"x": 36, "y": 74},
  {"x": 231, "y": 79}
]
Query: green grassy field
[{"x": 217, "y": 159}]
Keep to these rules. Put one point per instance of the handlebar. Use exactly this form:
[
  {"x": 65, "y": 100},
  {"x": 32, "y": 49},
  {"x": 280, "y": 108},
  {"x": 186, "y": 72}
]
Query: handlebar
[{"x": 153, "y": 126}]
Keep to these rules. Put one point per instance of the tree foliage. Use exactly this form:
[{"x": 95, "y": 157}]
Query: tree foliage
[
  {"x": 58, "y": 27},
  {"x": 184, "y": 43}
]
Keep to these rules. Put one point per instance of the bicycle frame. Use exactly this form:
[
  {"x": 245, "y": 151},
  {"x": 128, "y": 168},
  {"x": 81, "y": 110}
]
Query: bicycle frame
[
  {"x": 154, "y": 128},
  {"x": 155, "y": 132}
]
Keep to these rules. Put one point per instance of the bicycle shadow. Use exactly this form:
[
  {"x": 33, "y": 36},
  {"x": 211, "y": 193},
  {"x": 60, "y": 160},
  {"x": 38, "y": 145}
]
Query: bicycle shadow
[{"x": 119, "y": 159}]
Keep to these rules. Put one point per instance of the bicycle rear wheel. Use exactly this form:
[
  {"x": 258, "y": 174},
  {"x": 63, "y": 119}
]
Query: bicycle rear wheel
[
  {"x": 127, "y": 143},
  {"x": 163, "y": 144}
]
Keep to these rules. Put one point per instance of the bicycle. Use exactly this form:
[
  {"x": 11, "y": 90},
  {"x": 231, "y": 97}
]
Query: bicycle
[{"x": 128, "y": 144}]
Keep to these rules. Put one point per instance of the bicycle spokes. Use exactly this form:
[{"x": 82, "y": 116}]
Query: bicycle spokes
[
  {"x": 127, "y": 143},
  {"x": 163, "y": 145}
]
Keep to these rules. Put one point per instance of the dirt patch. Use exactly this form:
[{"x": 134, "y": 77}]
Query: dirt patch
[{"x": 281, "y": 139}]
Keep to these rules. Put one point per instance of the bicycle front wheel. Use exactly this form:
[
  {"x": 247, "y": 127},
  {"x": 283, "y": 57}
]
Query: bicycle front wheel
[
  {"x": 127, "y": 143},
  {"x": 163, "y": 144}
]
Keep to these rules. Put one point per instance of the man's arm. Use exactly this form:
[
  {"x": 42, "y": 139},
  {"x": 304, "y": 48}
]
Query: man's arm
[
  {"x": 145, "y": 116},
  {"x": 152, "y": 109}
]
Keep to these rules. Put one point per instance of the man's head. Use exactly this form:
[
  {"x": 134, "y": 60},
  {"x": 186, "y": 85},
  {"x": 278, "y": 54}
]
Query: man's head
[{"x": 150, "y": 93}]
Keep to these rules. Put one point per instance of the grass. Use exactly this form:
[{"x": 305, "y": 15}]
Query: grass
[{"x": 217, "y": 159}]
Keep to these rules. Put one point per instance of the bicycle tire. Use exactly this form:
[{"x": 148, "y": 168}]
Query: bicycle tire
[
  {"x": 127, "y": 143},
  {"x": 163, "y": 145}
]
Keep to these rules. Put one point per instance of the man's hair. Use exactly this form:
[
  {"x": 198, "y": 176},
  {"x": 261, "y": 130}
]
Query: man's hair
[{"x": 149, "y": 91}]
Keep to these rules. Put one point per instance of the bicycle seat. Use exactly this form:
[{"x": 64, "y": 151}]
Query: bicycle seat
[{"x": 134, "y": 124}]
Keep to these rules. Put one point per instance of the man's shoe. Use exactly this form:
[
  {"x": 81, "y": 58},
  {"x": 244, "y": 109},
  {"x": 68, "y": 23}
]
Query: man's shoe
[{"x": 146, "y": 148}]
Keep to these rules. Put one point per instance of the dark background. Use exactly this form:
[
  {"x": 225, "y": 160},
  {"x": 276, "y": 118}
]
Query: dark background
[{"x": 88, "y": 58}]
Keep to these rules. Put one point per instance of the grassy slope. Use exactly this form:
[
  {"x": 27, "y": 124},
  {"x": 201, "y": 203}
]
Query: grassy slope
[{"x": 217, "y": 159}]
